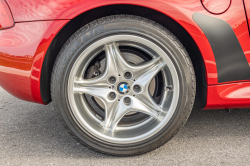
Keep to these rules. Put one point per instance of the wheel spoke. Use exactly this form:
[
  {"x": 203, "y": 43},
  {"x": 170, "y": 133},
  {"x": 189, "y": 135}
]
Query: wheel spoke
[
  {"x": 96, "y": 87},
  {"x": 116, "y": 111},
  {"x": 115, "y": 62},
  {"x": 144, "y": 81},
  {"x": 140, "y": 106},
  {"x": 145, "y": 78},
  {"x": 149, "y": 101},
  {"x": 113, "y": 114},
  {"x": 139, "y": 71}
]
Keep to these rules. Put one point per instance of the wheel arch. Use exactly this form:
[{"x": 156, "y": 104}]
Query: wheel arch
[{"x": 84, "y": 18}]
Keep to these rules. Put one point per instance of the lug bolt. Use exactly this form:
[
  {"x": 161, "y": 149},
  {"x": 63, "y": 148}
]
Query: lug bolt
[
  {"x": 127, "y": 100},
  {"x": 137, "y": 88},
  {"x": 112, "y": 95},
  {"x": 112, "y": 79},
  {"x": 128, "y": 75}
]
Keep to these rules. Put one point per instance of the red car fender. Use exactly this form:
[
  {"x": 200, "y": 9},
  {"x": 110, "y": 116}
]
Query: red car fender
[
  {"x": 23, "y": 48},
  {"x": 181, "y": 11}
]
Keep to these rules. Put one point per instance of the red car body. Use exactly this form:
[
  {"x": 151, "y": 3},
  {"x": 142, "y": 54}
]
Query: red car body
[{"x": 23, "y": 47}]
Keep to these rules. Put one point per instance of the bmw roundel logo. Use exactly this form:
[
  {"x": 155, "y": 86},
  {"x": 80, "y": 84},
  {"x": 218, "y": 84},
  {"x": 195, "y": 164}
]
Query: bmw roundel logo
[{"x": 123, "y": 87}]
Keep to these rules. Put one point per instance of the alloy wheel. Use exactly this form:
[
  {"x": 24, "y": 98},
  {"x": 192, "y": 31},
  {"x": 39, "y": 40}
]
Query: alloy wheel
[{"x": 122, "y": 89}]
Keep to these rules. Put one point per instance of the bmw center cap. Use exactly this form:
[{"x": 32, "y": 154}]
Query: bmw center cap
[{"x": 123, "y": 87}]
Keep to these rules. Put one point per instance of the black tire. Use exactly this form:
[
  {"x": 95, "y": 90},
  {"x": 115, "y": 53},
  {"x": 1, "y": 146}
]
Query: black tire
[{"x": 124, "y": 24}]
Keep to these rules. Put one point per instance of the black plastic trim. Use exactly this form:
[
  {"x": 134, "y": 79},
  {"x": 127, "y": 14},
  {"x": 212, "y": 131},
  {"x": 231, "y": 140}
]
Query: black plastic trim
[
  {"x": 246, "y": 16},
  {"x": 231, "y": 62}
]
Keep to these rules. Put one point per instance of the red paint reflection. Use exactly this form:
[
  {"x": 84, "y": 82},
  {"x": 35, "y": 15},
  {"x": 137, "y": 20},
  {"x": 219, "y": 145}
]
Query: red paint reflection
[{"x": 23, "y": 48}]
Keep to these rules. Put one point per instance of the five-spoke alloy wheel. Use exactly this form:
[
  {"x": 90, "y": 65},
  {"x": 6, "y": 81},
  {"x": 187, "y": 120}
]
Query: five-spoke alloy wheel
[{"x": 123, "y": 85}]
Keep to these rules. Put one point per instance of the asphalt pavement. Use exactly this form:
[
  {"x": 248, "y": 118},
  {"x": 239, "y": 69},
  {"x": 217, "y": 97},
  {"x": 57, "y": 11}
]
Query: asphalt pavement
[{"x": 31, "y": 134}]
